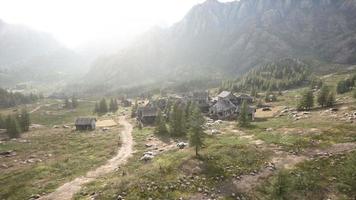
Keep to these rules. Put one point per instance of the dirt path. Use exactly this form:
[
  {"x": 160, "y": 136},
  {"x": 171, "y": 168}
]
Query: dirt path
[
  {"x": 282, "y": 160},
  {"x": 66, "y": 191},
  {"x": 35, "y": 109}
]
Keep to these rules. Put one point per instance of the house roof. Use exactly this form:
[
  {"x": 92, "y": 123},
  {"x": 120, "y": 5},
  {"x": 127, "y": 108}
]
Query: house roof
[
  {"x": 84, "y": 120},
  {"x": 245, "y": 96},
  {"x": 224, "y": 94},
  {"x": 223, "y": 104},
  {"x": 149, "y": 111}
]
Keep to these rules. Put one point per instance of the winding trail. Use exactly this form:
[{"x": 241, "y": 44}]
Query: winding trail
[{"x": 66, "y": 191}]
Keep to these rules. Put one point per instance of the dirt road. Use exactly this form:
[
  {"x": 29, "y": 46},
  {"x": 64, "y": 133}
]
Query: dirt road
[
  {"x": 66, "y": 191},
  {"x": 35, "y": 109}
]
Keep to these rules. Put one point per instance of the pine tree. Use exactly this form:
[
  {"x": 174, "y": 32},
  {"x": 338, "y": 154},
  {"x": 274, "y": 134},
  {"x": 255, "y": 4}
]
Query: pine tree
[
  {"x": 67, "y": 104},
  {"x": 134, "y": 109},
  {"x": 253, "y": 92},
  {"x": 196, "y": 132},
  {"x": 113, "y": 107},
  {"x": 116, "y": 106},
  {"x": 342, "y": 87},
  {"x": 2, "y": 122},
  {"x": 354, "y": 93},
  {"x": 74, "y": 102},
  {"x": 12, "y": 127},
  {"x": 24, "y": 120},
  {"x": 161, "y": 128},
  {"x": 307, "y": 100},
  {"x": 103, "y": 107},
  {"x": 279, "y": 190},
  {"x": 96, "y": 108},
  {"x": 177, "y": 121},
  {"x": 330, "y": 102},
  {"x": 323, "y": 96},
  {"x": 243, "y": 118}
]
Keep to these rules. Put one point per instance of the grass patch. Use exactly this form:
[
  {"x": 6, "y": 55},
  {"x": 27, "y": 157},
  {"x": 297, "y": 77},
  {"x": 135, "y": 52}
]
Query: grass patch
[
  {"x": 64, "y": 154},
  {"x": 53, "y": 113},
  {"x": 317, "y": 179},
  {"x": 168, "y": 175}
]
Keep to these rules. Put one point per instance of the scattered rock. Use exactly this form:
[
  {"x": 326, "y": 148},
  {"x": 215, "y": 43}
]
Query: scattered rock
[
  {"x": 182, "y": 145},
  {"x": 65, "y": 126},
  {"x": 9, "y": 153}
]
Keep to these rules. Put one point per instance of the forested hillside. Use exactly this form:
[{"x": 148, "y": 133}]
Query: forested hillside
[
  {"x": 218, "y": 40},
  {"x": 280, "y": 75}
]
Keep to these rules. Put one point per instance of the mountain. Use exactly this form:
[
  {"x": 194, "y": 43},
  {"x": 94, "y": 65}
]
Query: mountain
[
  {"x": 30, "y": 55},
  {"x": 226, "y": 39}
]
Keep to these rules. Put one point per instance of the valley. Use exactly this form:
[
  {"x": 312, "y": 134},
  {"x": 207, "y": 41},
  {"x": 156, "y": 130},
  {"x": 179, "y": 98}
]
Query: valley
[{"x": 178, "y": 100}]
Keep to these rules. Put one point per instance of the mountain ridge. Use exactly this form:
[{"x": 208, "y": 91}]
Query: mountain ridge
[{"x": 219, "y": 39}]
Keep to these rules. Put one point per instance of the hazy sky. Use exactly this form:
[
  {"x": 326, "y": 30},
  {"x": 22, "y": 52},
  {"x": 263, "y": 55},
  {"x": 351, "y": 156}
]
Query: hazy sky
[{"x": 76, "y": 22}]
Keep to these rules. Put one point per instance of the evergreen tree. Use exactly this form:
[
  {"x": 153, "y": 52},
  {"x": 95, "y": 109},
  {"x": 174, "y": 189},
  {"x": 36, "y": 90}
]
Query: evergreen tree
[
  {"x": 116, "y": 106},
  {"x": 354, "y": 93},
  {"x": 134, "y": 109},
  {"x": 24, "y": 120},
  {"x": 330, "y": 102},
  {"x": 243, "y": 118},
  {"x": 342, "y": 87},
  {"x": 2, "y": 122},
  {"x": 177, "y": 121},
  {"x": 161, "y": 128},
  {"x": 67, "y": 104},
  {"x": 103, "y": 107},
  {"x": 113, "y": 107},
  {"x": 196, "y": 132},
  {"x": 280, "y": 187},
  {"x": 307, "y": 100},
  {"x": 96, "y": 108},
  {"x": 74, "y": 102},
  {"x": 254, "y": 92},
  {"x": 323, "y": 96},
  {"x": 12, "y": 127}
]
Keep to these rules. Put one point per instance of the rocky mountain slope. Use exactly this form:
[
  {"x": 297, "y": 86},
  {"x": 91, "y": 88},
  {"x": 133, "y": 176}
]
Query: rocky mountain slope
[{"x": 225, "y": 39}]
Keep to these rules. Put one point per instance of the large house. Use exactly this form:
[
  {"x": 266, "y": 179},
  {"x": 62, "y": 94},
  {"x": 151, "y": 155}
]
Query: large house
[
  {"x": 227, "y": 106},
  {"x": 229, "y": 96},
  {"x": 223, "y": 109},
  {"x": 85, "y": 123},
  {"x": 201, "y": 99},
  {"x": 147, "y": 115}
]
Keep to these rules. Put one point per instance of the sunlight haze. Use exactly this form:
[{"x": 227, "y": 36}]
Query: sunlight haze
[{"x": 81, "y": 21}]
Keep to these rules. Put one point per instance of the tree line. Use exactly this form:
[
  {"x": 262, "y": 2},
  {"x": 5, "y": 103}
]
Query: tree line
[
  {"x": 346, "y": 85},
  {"x": 16, "y": 124},
  {"x": 11, "y": 99},
  {"x": 103, "y": 108},
  {"x": 325, "y": 98},
  {"x": 280, "y": 75},
  {"x": 181, "y": 120}
]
